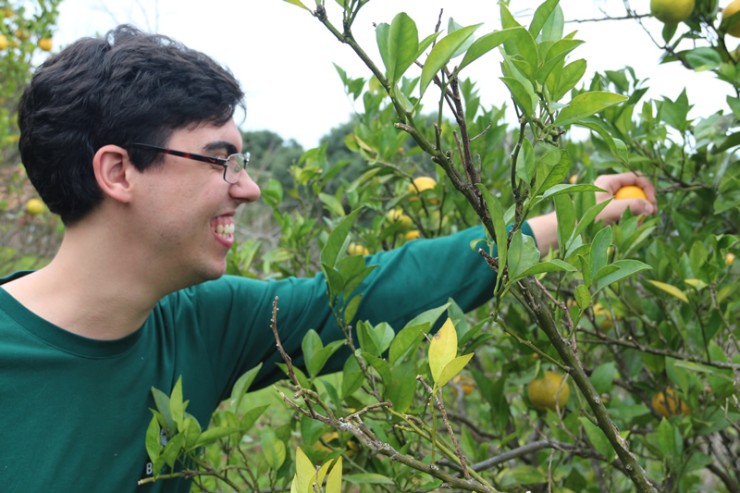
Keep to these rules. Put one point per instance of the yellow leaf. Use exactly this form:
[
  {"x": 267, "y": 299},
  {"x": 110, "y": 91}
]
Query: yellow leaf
[
  {"x": 696, "y": 283},
  {"x": 442, "y": 349},
  {"x": 304, "y": 473},
  {"x": 453, "y": 368},
  {"x": 334, "y": 480},
  {"x": 670, "y": 289}
]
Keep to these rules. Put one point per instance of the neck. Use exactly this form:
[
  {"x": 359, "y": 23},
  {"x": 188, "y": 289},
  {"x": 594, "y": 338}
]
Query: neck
[{"x": 98, "y": 285}]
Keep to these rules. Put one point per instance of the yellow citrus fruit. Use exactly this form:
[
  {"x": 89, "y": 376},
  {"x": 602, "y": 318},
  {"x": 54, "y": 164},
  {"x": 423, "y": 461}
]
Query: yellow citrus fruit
[
  {"x": 671, "y": 11},
  {"x": 3, "y": 42},
  {"x": 603, "y": 317},
  {"x": 34, "y": 207},
  {"x": 357, "y": 249},
  {"x": 730, "y": 258},
  {"x": 465, "y": 383},
  {"x": 45, "y": 44},
  {"x": 397, "y": 216},
  {"x": 422, "y": 183},
  {"x": 8, "y": 12},
  {"x": 668, "y": 404},
  {"x": 734, "y": 28},
  {"x": 22, "y": 34},
  {"x": 548, "y": 392},
  {"x": 573, "y": 179},
  {"x": 414, "y": 234},
  {"x": 630, "y": 192}
]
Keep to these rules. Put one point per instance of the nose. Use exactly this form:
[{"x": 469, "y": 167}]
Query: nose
[{"x": 245, "y": 190}]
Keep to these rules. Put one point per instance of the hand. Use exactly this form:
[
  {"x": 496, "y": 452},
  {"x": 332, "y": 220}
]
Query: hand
[{"x": 616, "y": 208}]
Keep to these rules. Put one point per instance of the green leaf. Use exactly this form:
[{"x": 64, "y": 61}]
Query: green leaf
[
  {"x": 598, "y": 439},
  {"x": 332, "y": 204},
  {"x": 586, "y": 104},
  {"x": 583, "y": 296},
  {"x": 702, "y": 58},
  {"x": 542, "y": 15},
  {"x": 442, "y": 52},
  {"x": 298, "y": 3},
  {"x": 565, "y": 211},
  {"x": 525, "y": 165},
  {"x": 401, "y": 387},
  {"x": 406, "y": 342},
  {"x": 368, "y": 478},
  {"x": 555, "y": 57},
  {"x": 177, "y": 406},
  {"x": 563, "y": 80},
  {"x": 213, "y": 434},
  {"x": 523, "y": 94},
  {"x": 523, "y": 254},
  {"x": 670, "y": 442},
  {"x": 162, "y": 404},
  {"x": 486, "y": 43},
  {"x": 554, "y": 265},
  {"x": 352, "y": 376},
  {"x": 676, "y": 113},
  {"x": 403, "y": 43},
  {"x": 350, "y": 309},
  {"x": 670, "y": 289},
  {"x": 603, "y": 377},
  {"x": 333, "y": 249},
  {"x": 552, "y": 176},
  {"x": 382, "y": 37},
  {"x": 242, "y": 385},
  {"x": 496, "y": 211},
  {"x": 153, "y": 440},
  {"x": 600, "y": 249},
  {"x": 273, "y": 449},
  {"x": 625, "y": 268},
  {"x": 375, "y": 340}
]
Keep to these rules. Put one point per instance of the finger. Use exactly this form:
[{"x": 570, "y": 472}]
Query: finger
[{"x": 616, "y": 209}]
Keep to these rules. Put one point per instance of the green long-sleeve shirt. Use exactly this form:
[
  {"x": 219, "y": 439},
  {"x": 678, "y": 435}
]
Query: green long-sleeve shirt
[{"x": 75, "y": 410}]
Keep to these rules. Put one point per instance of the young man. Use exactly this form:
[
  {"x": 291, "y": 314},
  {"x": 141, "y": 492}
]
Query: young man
[{"x": 131, "y": 140}]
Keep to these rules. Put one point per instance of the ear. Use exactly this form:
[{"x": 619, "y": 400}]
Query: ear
[{"x": 113, "y": 170}]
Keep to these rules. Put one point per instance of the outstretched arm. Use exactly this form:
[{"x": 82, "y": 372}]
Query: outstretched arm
[{"x": 545, "y": 227}]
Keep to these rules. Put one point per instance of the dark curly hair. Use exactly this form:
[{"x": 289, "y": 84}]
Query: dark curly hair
[{"x": 127, "y": 87}]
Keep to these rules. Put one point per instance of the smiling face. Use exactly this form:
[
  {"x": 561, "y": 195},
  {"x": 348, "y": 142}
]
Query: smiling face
[{"x": 186, "y": 208}]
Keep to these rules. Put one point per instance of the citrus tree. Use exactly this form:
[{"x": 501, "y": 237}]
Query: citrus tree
[
  {"x": 609, "y": 364},
  {"x": 28, "y": 233}
]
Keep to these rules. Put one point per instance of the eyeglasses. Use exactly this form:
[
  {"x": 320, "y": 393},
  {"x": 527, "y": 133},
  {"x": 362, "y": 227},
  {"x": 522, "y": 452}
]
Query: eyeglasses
[{"x": 233, "y": 165}]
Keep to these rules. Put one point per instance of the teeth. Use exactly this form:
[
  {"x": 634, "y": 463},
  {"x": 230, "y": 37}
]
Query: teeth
[{"x": 225, "y": 230}]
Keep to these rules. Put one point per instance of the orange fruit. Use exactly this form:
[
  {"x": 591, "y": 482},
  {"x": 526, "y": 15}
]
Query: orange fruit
[
  {"x": 630, "y": 192},
  {"x": 414, "y": 234},
  {"x": 3, "y": 42},
  {"x": 397, "y": 215},
  {"x": 35, "y": 207},
  {"x": 357, "y": 249},
  {"x": 45, "y": 44},
  {"x": 671, "y": 11},
  {"x": 734, "y": 28},
  {"x": 548, "y": 392},
  {"x": 422, "y": 183},
  {"x": 730, "y": 258},
  {"x": 668, "y": 404}
]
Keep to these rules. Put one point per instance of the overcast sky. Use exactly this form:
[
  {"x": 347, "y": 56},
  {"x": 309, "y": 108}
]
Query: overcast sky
[{"x": 284, "y": 57}]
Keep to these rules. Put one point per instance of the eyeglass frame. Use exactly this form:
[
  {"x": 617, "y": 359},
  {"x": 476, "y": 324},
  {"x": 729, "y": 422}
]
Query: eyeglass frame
[{"x": 204, "y": 159}]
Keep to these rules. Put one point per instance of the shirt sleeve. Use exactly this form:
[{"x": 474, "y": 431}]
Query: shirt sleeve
[{"x": 234, "y": 314}]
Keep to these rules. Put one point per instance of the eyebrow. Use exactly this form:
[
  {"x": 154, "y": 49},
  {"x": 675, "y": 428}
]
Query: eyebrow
[{"x": 221, "y": 145}]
